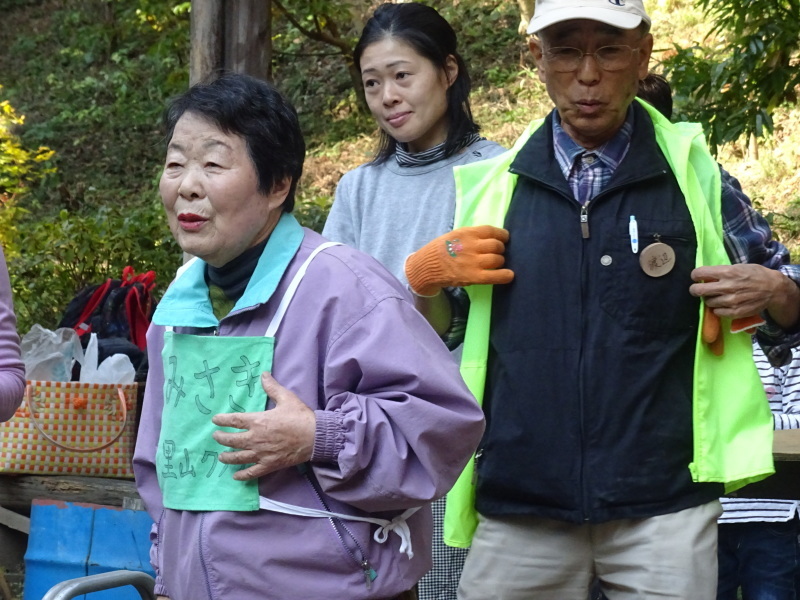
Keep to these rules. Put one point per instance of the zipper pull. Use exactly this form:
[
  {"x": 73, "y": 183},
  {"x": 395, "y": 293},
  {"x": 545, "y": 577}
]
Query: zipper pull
[
  {"x": 478, "y": 454},
  {"x": 369, "y": 574},
  {"x": 585, "y": 220}
]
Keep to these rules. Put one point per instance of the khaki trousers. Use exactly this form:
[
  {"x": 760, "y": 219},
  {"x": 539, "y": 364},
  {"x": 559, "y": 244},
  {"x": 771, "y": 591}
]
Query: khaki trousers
[{"x": 529, "y": 558}]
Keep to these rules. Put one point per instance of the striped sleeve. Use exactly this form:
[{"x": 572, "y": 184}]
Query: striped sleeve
[{"x": 782, "y": 387}]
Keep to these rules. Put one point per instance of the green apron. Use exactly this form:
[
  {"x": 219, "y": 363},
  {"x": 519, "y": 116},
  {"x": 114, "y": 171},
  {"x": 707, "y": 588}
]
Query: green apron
[{"x": 205, "y": 375}]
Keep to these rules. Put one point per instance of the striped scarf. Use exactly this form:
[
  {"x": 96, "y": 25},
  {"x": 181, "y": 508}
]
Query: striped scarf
[{"x": 431, "y": 155}]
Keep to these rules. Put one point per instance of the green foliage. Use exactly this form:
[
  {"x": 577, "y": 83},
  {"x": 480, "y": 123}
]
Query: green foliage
[
  {"x": 62, "y": 255},
  {"x": 312, "y": 210},
  {"x": 735, "y": 86},
  {"x": 93, "y": 78},
  {"x": 328, "y": 31},
  {"x": 11, "y": 214},
  {"x": 19, "y": 166},
  {"x": 94, "y": 92},
  {"x": 785, "y": 224},
  {"x": 487, "y": 38}
]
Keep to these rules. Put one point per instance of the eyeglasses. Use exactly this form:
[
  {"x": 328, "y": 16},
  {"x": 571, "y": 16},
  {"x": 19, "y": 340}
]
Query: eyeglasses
[{"x": 609, "y": 58}]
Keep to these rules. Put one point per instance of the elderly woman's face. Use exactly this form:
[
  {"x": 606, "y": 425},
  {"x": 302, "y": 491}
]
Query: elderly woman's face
[{"x": 209, "y": 188}]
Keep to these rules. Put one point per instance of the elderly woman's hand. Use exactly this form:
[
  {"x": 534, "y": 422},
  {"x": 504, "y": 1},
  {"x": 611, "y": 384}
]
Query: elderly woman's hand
[{"x": 274, "y": 439}]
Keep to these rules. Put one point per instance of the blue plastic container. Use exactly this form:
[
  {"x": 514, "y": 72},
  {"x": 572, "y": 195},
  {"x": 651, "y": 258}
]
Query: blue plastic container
[
  {"x": 69, "y": 540},
  {"x": 58, "y": 545},
  {"x": 121, "y": 540}
]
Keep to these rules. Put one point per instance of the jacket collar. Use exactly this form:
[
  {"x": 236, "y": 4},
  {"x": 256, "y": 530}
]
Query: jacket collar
[
  {"x": 536, "y": 159},
  {"x": 186, "y": 303}
]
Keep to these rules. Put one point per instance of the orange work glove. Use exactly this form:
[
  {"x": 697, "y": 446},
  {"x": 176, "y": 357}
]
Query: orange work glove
[
  {"x": 465, "y": 256},
  {"x": 712, "y": 329}
]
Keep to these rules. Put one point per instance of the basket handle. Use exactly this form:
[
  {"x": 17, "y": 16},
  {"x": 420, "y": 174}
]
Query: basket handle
[{"x": 33, "y": 410}]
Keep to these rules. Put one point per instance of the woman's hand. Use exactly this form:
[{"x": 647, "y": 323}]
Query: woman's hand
[{"x": 273, "y": 439}]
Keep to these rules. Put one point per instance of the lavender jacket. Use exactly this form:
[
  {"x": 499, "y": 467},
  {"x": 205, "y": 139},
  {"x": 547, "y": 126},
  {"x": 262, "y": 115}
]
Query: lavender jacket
[
  {"x": 12, "y": 370},
  {"x": 395, "y": 426}
]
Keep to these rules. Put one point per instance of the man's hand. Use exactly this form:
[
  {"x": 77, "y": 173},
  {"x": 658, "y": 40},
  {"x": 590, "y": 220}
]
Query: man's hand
[
  {"x": 465, "y": 256},
  {"x": 273, "y": 439},
  {"x": 744, "y": 290}
]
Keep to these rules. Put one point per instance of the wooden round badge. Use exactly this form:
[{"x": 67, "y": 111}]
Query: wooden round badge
[{"x": 657, "y": 259}]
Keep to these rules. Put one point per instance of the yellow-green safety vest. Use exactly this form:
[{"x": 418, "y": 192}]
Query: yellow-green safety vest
[{"x": 732, "y": 421}]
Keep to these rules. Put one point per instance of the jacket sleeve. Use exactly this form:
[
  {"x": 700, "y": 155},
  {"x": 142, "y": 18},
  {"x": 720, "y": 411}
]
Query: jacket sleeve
[
  {"x": 748, "y": 239},
  {"x": 788, "y": 376},
  {"x": 12, "y": 369},
  {"x": 144, "y": 457},
  {"x": 747, "y": 235},
  {"x": 399, "y": 423}
]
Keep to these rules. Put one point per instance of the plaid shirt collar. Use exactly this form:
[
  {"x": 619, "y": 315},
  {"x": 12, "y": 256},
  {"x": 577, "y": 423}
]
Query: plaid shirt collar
[{"x": 610, "y": 154}]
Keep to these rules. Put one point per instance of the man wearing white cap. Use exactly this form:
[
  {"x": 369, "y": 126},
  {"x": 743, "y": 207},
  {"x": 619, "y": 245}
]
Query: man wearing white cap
[{"x": 618, "y": 410}]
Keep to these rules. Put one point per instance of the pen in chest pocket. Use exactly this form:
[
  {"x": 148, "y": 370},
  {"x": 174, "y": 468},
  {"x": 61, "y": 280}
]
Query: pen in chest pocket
[{"x": 633, "y": 231}]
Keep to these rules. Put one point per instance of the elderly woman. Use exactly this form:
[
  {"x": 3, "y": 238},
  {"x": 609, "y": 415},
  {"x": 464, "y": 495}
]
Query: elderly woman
[{"x": 299, "y": 416}]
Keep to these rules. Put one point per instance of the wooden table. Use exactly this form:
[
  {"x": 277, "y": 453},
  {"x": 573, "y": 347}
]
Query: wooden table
[
  {"x": 786, "y": 445},
  {"x": 17, "y": 491},
  {"x": 785, "y": 483}
]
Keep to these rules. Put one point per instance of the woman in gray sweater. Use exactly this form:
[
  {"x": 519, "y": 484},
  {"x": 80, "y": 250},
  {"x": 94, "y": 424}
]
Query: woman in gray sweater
[{"x": 417, "y": 88}]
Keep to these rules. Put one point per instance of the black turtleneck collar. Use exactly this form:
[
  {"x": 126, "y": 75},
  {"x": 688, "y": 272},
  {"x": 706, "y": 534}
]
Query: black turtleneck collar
[{"x": 233, "y": 277}]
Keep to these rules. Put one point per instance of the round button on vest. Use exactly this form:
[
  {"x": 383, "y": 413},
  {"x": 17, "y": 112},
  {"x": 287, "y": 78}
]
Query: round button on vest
[{"x": 606, "y": 260}]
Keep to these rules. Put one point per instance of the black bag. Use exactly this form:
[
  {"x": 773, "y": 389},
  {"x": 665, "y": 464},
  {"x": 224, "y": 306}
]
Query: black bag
[{"x": 118, "y": 311}]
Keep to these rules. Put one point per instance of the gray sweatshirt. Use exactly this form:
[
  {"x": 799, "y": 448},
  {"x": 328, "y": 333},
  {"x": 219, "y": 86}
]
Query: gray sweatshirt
[{"x": 389, "y": 211}]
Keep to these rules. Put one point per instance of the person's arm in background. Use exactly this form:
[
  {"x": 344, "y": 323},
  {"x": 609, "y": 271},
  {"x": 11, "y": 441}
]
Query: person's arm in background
[
  {"x": 760, "y": 280},
  {"x": 343, "y": 223},
  {"x": 787, "y": 415},
  {"x": 436, "y": 310},
  {"x": 12, "y": 369},
  {"x": 437, "y": 272},
  {"x": 144, "y": 458},
  {"x": 447, "y": 313}
]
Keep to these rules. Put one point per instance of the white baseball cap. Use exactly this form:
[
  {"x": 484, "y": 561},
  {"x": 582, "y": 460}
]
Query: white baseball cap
[{"x": 625, "y": 14}]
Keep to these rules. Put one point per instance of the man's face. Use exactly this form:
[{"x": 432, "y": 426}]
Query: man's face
[{"x": 592, "y": 102}]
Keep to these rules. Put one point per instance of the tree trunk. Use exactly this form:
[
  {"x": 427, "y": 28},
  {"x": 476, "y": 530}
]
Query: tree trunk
[
  {"x": 248, "y": 37},
  {"x": 207, "y": 33},
  {"x": 18, "y": 491},
  {"x": 232, "y": 35},
  {"x": 358, "y": 86},
  {"x": 753, "y": 146},
  {"x": 525, "y": 14}
]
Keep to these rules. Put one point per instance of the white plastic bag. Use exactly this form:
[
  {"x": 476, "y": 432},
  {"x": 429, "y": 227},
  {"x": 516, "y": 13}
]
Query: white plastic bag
[
  {"x": 49, "y": 355},
  {"x": 117, "y": 368}
]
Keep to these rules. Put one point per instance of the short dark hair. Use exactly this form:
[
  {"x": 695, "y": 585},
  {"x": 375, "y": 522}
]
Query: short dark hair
[
  {"x": 429, "y": 34},
  {"x": 255, "y": 110},
  {"x": 656, "y": 90}
]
